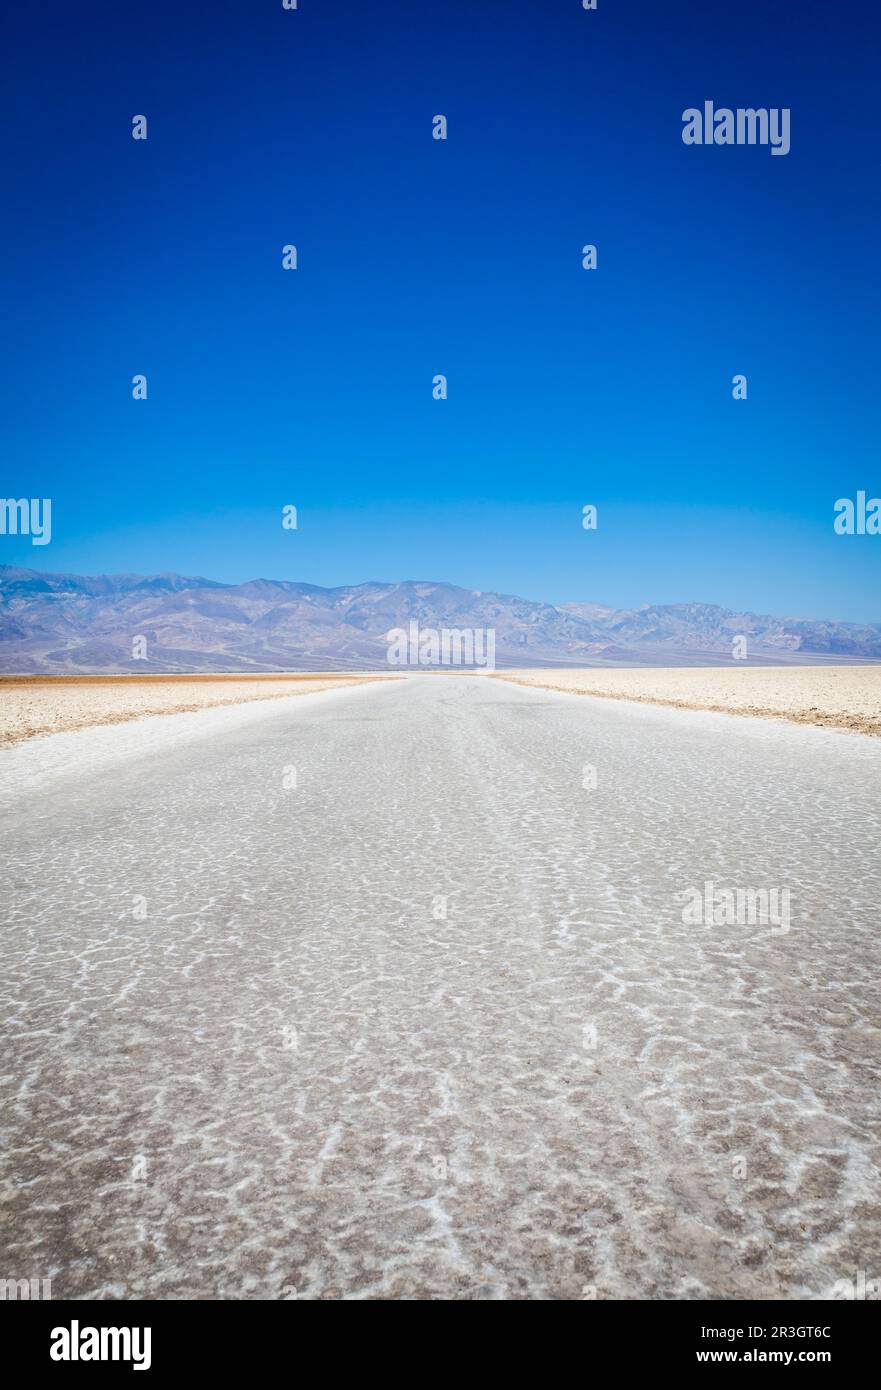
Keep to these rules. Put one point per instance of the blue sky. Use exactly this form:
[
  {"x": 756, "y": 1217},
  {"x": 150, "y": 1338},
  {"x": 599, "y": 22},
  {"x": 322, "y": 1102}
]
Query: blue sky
[{"x": 417, "y": 257}]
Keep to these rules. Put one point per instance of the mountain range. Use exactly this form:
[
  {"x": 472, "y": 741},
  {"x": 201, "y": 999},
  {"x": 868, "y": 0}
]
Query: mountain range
[{"x": 56, "y": 623}]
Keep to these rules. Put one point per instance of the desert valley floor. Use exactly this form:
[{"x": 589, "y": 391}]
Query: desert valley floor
[{"x": 379, "y": 992}]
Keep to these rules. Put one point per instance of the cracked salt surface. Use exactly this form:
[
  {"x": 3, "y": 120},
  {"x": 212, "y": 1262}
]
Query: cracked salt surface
[{"x": 294, "y": 1074}]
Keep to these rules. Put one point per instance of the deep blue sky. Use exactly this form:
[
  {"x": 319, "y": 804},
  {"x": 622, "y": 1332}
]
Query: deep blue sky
[{"x": 417, "y": 257}]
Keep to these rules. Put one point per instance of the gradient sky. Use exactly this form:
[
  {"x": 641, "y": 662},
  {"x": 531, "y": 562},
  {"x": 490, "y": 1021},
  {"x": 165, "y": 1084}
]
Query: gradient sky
[{"x": 416, "y": 256}]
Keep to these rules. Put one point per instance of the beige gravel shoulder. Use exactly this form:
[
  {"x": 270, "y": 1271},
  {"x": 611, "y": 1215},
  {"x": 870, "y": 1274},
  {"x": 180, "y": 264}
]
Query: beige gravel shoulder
[
  {"x": 35, "y": 705},
  {"x": 838, "y": 697}
]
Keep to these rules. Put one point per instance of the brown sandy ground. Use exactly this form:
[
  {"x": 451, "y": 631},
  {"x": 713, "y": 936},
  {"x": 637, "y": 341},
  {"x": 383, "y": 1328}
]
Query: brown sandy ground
[
  {"x": 34, "y": 705},
  {"x": 837, "y": 697}
]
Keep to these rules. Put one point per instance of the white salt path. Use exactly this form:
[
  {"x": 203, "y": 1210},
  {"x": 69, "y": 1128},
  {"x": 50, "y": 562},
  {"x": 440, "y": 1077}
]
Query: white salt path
[{"x": 296, "y": 1074}]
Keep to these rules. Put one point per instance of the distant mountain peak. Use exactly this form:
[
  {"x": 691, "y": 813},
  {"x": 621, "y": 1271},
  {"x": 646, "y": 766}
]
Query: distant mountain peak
[{"x": 57, "y": 622}]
